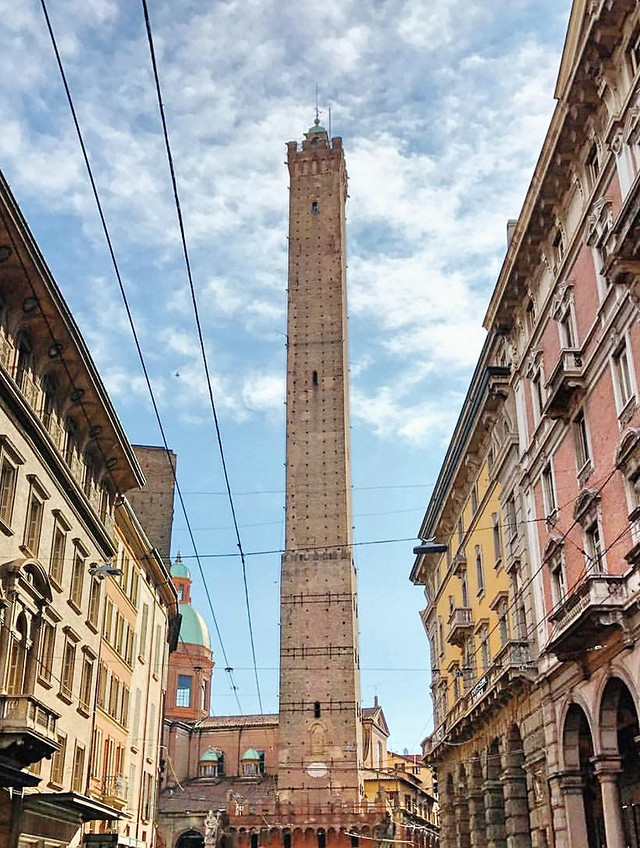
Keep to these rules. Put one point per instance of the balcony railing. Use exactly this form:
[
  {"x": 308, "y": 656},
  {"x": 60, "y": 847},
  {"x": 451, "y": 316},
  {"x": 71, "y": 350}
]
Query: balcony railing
[
  {"x": 596, "y": 604},
  {"x": 511, "y": 666},
  {"x": 27, "y": 729},
  {"x": 565, "y": 382},
  {"x": 115, "y": 790},
  {"x": 460, "y": 625}
]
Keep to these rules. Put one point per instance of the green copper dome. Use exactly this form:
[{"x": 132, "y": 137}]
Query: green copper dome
[
  {"x": 179, "y": 569},
  {"x": 251, "y": 754},
  {"x": 193, "y": 630},
  {"x": 212, "y": 755},
  {"x": 317, "y": 128}
]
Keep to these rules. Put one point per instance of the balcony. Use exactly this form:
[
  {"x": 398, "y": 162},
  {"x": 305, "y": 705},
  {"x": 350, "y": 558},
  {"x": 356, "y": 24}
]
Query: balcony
[
  {"x": 115, "y": 791},
  {"x": 511, "y": 670},
  {"x": 27, "y": 729},
  {"x": 460, "y": 625},
  {"x": 585, "y": 617},
  {"x": 566, "y": 383}
]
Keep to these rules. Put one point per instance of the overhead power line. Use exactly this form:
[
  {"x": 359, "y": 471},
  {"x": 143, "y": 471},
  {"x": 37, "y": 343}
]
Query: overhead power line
[
  {"x": 203, "y": 353},
  {"x": 125, "y": 301}
]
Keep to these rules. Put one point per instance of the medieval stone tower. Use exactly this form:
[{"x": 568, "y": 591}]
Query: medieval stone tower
[{"x": 320, "y": 748}]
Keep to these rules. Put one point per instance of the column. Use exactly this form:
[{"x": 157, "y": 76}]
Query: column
[
  {"x": 447, "y": 825},
  {"x": 607, "y": 771},
  {"x": 494, "y": 812},
  {"x": 516, "y": 804},
  {"x": 571, "y": 789},
  {"x": 463, "y": 839},
  {"x": 477, "y": 818}
]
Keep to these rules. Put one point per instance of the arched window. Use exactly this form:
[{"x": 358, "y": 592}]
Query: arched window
[
  {"x": 23, "y": 359},
  {"x": 49, "y": 400}
]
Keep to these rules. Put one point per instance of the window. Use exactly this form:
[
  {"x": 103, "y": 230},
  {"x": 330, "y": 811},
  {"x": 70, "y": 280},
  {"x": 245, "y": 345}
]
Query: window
[
  {"x": 623, "y": 385},
  {"x": 23, "y": 362},
  {"x": 103, "y": 674},
  {"x": 78, "y": 769},
  {"x": 58, "y": 545},
  {"x": 566, "y": 328},
  {"x": 441, "y": 636},
  {"x": 107, "y": 621},
  {"x": 143, "y": 631},
  {"x": 558, "y": 579},
  {"x": 157, "y": 652},
  {"x": 593, "y": 549},
  {"x": 503, "y": 622},
  {"x": 86, "y": 682},
  {"x": 558, "y": 247},
  {"x": 593, "y": 163},
  {"x": 68, "y": 668},
  {"x": 484, "y": 648},
  {"x": 70, "y": 441},
  {"x": 8, "y": 480},
  {"x": 633, "y": 50},
  {"x": 317, "y": 712},
  {"x": 479, "y": 569},
  {"x": 496, "y": 531},
  {"x": 465, "y": 588},
  {"x": 124, "y": 711},
  {"x": 548, "y": 491},
  {"x": 135, "y": 587},
  {"x": 17, "y": 657},
  {"x": 33, "y": 524},
  {"x": 57, "y": 761},
  {"x": 47, "y": 644},
  {"x": 77, "y": 577},
  {"x": 48, "y": 410},
  {"x": 460, "y": 530},
  {"x": 314, "y": 208},
  {"x": 96, "y": 750},
  {"x": 183, "y": 693},
  {"x": 204, "y": 706},
  {"x": 474, "y": 498},
  {"x": 581, "y": 439},
  {"x": 537, "y": 396},
  {"x": 93, "y": 614},
  {"x": 512, "y": 527}
]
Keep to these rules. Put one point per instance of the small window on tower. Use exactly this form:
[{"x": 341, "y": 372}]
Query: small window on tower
[
  {"x": 314, "y": 378},
  {"x": 316, "y": 709},
  {"x": 314, "y": 207}
]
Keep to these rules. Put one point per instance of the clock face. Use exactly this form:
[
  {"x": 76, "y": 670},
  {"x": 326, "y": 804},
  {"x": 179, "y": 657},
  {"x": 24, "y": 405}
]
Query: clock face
[{"x": 317, "y": 770}]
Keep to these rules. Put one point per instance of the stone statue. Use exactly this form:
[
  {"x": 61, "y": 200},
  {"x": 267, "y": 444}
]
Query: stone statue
[{"x": 212, "y": 828}]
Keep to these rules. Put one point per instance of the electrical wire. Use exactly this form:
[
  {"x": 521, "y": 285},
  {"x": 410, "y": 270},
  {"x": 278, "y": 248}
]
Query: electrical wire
[
  {"x": 203, "y": 353},
  {"x": 105, "y": 229}
]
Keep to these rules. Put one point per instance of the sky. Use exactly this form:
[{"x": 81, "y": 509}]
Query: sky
[{"x": 442, "y": 106}]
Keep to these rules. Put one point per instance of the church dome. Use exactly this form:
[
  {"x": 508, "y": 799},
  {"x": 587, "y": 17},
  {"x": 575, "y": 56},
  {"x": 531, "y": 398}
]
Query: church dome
[
  {"x": 193, "y": 629},
  {"x": 211, "y": 755},
  {"x": 179, "y": 569},
  {"x": 250, "y": 754}
]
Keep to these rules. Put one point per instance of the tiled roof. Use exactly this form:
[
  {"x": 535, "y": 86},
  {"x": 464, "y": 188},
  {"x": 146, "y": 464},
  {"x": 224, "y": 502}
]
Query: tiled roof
[{"x": 204, "y": 794}]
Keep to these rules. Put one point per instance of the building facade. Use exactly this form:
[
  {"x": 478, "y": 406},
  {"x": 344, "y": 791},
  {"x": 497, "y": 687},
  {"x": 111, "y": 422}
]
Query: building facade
[
  {"x": 65, "y": 466},
  {"x": 551, "y": 758}
]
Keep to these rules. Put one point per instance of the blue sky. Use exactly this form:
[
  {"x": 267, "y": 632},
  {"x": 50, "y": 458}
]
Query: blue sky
[{"x": 442, "y": 105}]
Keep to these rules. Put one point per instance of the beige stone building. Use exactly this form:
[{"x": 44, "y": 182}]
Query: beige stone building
[
  {"x": 539, "y": 744},
  {"x": 73, "y": 668}
]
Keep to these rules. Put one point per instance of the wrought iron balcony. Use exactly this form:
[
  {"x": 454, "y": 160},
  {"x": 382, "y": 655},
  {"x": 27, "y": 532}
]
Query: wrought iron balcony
[
  {"x": 115, "y": 790},
  {"x": 27, "y": 729},
  {"x": 565, "y": 383},
  {"x": 587, "y": 613},
  {"x": 460, "y": 625}
]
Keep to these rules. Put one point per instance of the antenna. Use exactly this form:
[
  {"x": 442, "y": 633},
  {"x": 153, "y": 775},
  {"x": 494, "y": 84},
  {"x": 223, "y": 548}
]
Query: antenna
[
  {"x": 329, "y": 121},
  {"x": 317, "y": 109}
]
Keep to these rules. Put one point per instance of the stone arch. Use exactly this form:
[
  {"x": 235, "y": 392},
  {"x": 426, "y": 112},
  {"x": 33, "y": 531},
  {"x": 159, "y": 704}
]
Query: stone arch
[
  {"x": 617, "y": 694},
  {"x": 580, "y": 787},
  {"x": 191, "y": 838}
]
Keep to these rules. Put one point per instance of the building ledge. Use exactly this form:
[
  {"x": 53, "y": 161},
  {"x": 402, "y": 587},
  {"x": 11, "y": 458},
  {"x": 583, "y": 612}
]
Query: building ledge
[{"x": 565, "y": 384}]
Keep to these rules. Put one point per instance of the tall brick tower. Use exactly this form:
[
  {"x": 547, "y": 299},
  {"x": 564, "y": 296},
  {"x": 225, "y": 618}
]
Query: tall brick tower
[{"x": 320, "y": 748}]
